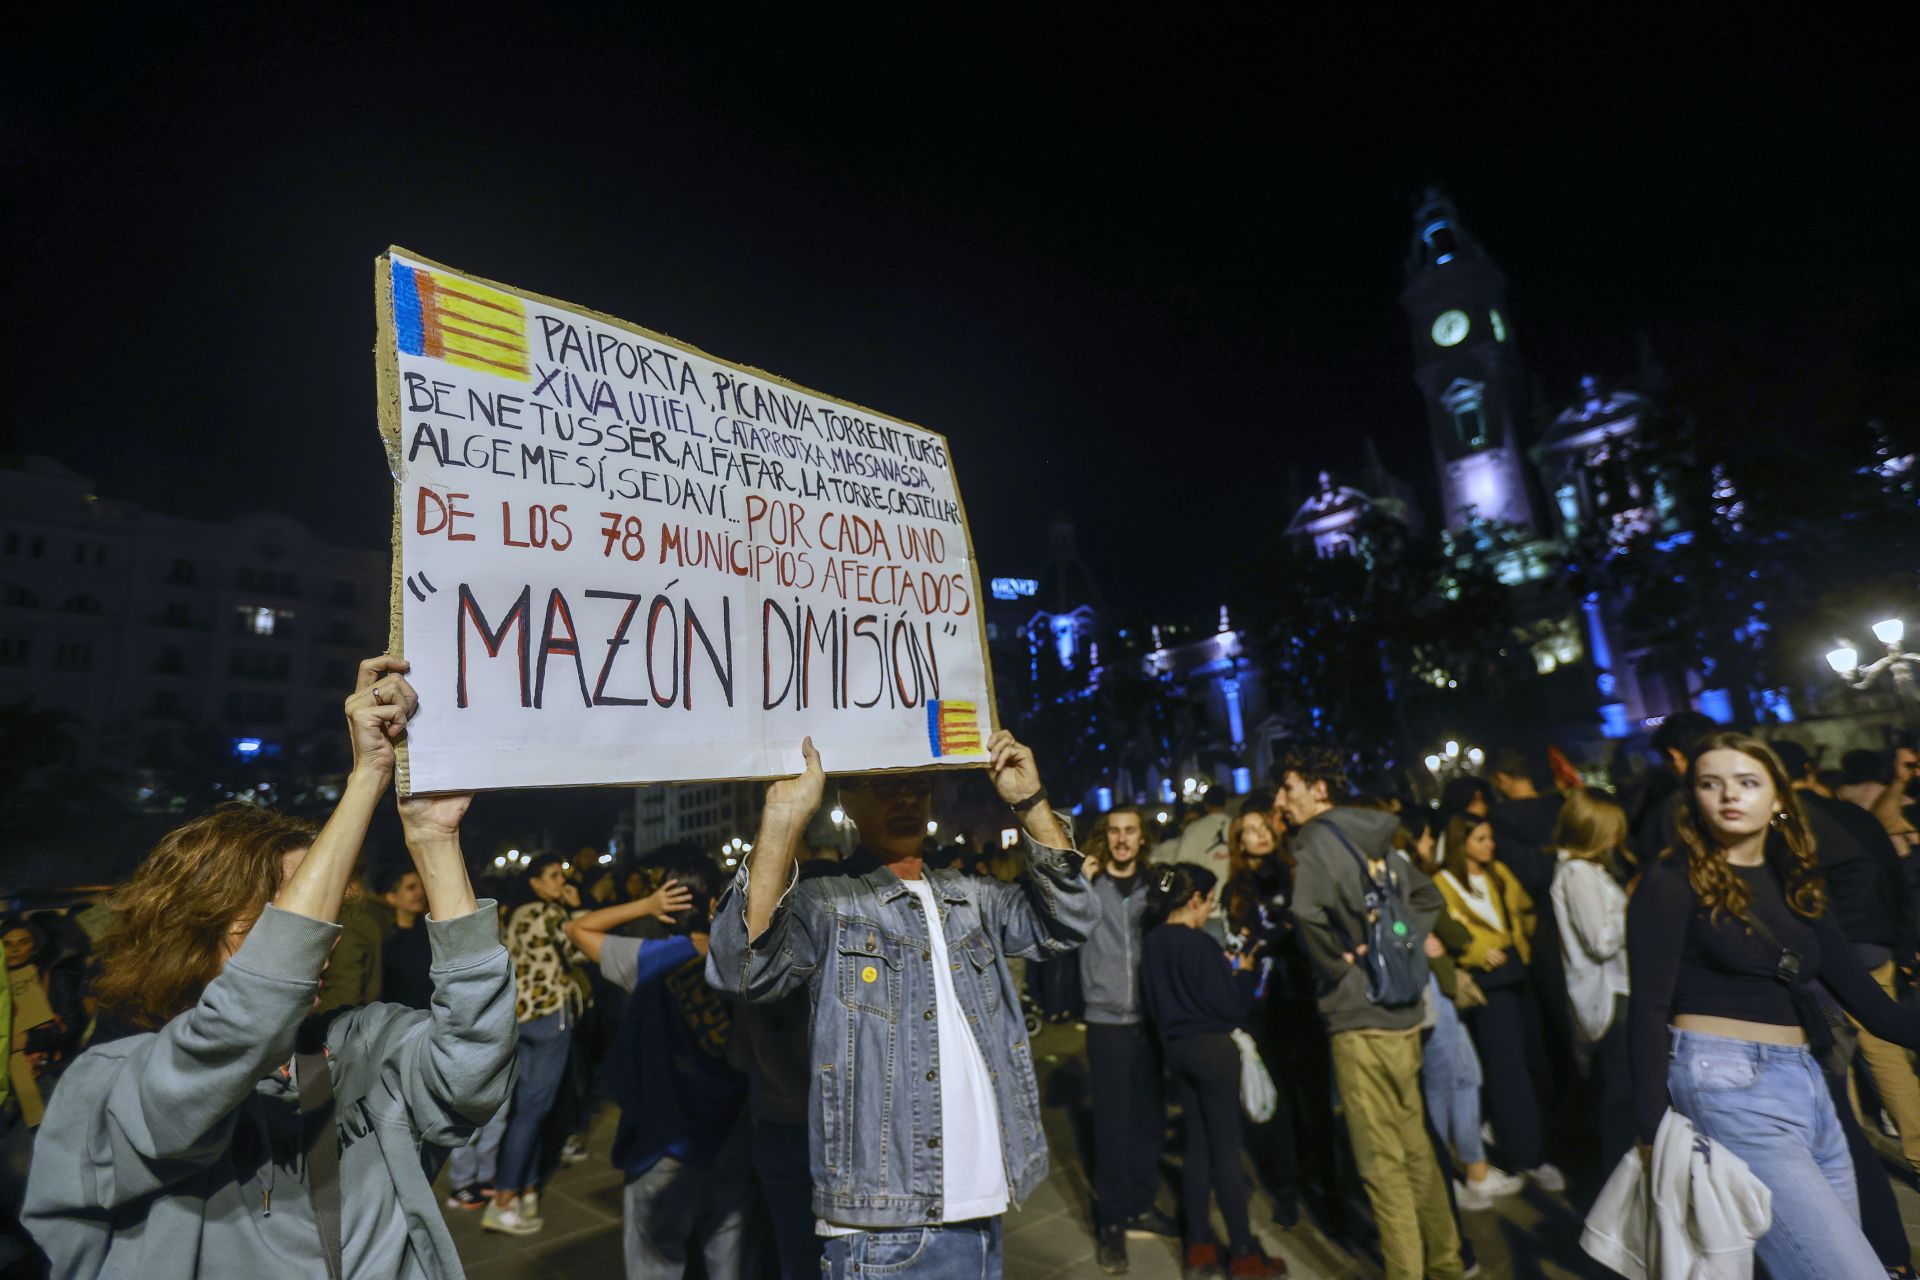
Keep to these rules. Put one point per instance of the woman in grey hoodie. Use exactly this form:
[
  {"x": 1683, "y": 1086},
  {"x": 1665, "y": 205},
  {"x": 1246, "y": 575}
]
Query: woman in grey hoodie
[{"x": 242, "y": 1135}]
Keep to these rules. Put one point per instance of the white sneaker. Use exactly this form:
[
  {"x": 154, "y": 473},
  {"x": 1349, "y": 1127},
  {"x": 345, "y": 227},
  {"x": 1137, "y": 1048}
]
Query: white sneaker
[
  {"x": 509, "y": 1221},
  {"x": 529, "y": 1206},
  {"x": 1548, "y": 1178},
  {"x": 1498, "y": 1183},
  {"x": 1470, "y": 1198}
]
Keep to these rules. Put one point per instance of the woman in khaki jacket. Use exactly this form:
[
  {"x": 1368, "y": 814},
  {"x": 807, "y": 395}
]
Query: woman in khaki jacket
[{"x": 1499, "y": 918}]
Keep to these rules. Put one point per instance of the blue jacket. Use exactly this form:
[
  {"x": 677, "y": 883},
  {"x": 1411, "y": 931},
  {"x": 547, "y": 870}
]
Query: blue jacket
[{"x": 873, "y": 1108}]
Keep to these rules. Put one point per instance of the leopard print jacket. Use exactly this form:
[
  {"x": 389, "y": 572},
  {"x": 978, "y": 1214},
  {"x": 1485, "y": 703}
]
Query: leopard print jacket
[{"x": 542, "y": 954}]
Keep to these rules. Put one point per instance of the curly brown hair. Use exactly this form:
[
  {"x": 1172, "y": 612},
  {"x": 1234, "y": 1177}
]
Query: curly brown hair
[
  {"x": 172, "y": 918},
  {"x": 1714, "y": 884}
]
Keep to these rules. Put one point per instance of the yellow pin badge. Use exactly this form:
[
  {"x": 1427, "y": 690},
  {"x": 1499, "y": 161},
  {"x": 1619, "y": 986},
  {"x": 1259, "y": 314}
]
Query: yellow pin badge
[{"x": 869, "y": 973}]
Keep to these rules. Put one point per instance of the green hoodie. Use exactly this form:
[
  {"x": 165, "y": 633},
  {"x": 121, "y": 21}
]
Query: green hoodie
[{"x": 178, "y": 1153}]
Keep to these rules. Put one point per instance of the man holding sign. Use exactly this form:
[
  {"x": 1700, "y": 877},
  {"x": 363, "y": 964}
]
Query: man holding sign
[{"x": 924, "y": 1110}]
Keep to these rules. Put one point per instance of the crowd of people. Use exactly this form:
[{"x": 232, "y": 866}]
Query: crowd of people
[{"x": 1391, "y": 1013}]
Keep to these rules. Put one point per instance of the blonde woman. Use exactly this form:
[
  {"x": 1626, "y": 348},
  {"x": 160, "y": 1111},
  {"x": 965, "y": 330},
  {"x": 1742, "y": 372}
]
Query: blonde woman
[
  {"x": 1482, "y": 894},
  {"x": 1591, "y": 908}
]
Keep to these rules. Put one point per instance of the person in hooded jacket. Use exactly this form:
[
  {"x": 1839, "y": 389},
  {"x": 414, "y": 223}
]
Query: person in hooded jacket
[
  {"x": 1376, "y": 1047},
  {"x": 236, "y": 1134}
]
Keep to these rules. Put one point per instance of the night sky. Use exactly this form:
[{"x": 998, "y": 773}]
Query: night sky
[{"x": 1133, "y": 266}]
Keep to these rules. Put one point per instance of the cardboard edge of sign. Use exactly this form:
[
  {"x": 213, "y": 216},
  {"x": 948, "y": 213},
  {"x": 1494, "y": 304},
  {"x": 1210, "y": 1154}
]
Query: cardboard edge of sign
[{"x": 386, "y": 367}]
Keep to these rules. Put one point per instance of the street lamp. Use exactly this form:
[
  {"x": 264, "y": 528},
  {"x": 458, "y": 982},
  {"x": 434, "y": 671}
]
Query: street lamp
[
  {"x": 1897, "y": 665},
  {"x": 1454, "y": 760}
]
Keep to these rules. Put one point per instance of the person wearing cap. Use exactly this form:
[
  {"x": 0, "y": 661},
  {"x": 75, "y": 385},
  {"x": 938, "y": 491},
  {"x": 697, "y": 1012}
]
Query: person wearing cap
[{"x": 923, "y": 1108}]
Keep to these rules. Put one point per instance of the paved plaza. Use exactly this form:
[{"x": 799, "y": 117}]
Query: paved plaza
[{"x": 1530, "y": 1236}]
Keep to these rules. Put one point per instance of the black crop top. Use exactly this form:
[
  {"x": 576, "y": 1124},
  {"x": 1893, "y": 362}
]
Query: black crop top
[{"x": 1680, "y": 962}]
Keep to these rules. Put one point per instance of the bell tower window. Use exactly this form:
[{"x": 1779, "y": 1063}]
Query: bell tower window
[{"x": 1464, "y": 401}]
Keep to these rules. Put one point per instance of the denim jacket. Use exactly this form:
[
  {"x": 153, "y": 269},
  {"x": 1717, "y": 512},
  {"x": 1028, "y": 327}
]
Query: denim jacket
[{"x": 873, "y": 1105}]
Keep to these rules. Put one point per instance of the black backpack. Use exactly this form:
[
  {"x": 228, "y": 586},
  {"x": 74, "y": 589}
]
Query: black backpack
[{"x": 1396, "y": 958}]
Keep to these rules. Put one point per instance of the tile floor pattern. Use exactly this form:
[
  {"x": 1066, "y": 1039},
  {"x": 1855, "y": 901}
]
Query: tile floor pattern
[{"x": 1530, "y": 1237}]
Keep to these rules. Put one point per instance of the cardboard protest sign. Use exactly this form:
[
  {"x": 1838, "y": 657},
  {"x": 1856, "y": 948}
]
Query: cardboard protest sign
[{"x": 619, "y": 559}]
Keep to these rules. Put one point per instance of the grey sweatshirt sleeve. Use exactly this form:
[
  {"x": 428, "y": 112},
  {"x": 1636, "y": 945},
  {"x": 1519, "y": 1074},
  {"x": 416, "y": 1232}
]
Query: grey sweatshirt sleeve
[
  {"x": 1317, "y": 913},
  {"x": 135, "y": 1116},
  {"x": 1047, "y": 911},
  {"x": 783, "y": 958},
  {"x": 451, "y": 1066}
]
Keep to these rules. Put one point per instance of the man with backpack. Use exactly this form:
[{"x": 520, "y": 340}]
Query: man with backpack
[{"x": 1363, "y": 911}]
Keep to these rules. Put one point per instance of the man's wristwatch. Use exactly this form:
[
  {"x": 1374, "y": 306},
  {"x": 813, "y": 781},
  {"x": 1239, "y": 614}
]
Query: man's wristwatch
[{"x": 1021, "y": 806}]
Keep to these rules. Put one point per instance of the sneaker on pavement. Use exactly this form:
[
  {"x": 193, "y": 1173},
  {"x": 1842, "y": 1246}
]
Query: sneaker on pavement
[
  {"x": 1110, "y": 1249},
  {"x": 574, "y": 1151},
  {"x": 1286, "y": 1214},
  {"x": 1154, "y": 1222},
  {"x": 508, "y": 1221},
  {"x": 1499, "y": 1183},
  {"x": 467, "y": 1198},
  {"x": 1548, "y": 1178},
  {"x": 1256, "y": 1266},
  {"x": 1469, "y": 1198},
  {"x": 529, "y": 1205},
  {"x": 1201, "y": 1262}
]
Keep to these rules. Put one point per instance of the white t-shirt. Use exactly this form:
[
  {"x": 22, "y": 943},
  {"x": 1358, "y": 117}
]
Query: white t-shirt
[{"x": 972, "y": 1170}]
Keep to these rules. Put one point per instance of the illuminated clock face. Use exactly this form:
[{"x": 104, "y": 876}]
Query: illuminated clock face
[
  {"x": 1499, "y": 326},
  {"x": 1449, "y": 327}
]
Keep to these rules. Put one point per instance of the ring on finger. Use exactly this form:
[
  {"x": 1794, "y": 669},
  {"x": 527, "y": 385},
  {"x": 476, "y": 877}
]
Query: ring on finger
[{"x": 379, "y": 695}]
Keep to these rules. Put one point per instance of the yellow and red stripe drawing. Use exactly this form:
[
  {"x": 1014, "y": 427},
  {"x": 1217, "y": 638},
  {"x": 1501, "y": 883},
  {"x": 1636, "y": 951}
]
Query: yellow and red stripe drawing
[
  {"x": 463, "y": 323},
  {"x": 953, "y": 728}
]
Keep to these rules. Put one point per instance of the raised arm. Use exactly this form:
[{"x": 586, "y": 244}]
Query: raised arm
[
  {"x": 589, "y": 931},
  {"x": 791, "y": 804},
  {"x": 133, "y": 1120},
  {"x": 1051, "y": 908},
  {"x": 377, "y": 713},
  {"x": 764, "y": 941},
  {"x": 449, "y": 1067}
]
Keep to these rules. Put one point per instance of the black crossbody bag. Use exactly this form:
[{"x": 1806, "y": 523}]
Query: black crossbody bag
[{"x": 1830, "y": 1035}]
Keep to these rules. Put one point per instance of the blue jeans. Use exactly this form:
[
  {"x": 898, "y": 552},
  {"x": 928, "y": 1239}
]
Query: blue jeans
[
  {"x": 476, "y": 1163},
  {"x": 1450, "y": 1080},
  {"x": 950, "y": 1251},
  {"x": 541, "y": 1054},
  {"x": 1769, "y": 1105}
]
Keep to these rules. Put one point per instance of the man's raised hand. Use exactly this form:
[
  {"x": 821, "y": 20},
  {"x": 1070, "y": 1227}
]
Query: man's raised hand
[
  {"x": 791, "y": 802},
  {"x": 1015, "y": 775}
]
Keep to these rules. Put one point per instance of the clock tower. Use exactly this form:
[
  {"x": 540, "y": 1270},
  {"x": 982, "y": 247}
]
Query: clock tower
[{"x": 1468, "y": 369}]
